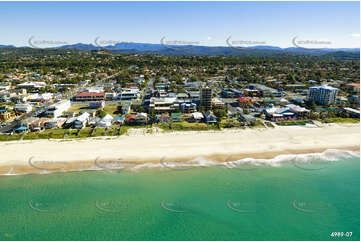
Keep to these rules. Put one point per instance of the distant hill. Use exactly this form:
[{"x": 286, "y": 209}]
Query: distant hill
[
  {"x": 7, "y": 46},
  {"x": 261, "y": 50}
]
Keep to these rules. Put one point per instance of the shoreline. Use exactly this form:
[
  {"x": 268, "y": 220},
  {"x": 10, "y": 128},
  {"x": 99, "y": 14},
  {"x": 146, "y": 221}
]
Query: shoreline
[{"x": 48, "y": 156}]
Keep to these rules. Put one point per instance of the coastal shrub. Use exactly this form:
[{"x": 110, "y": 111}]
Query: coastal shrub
[
  {"x": 341, "y": 120},
  {"x": 85, "y": 132},
  {"x": 290, "y": 123},
  {"x": 6, "y": 137}
]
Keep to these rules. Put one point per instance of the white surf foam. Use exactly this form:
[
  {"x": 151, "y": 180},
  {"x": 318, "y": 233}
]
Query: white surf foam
[{"x": 326, "y": 156}]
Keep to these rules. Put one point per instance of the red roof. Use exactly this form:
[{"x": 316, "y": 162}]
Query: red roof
[
  {"x": 130, "y": 117},
  {"x": 90, "y": 94},
  {"x": 244, "y": 99}
]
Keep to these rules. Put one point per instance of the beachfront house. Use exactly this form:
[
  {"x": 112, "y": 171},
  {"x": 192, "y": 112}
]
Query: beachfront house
[
  {"x": 93, "y": 121},
  {"x": 106, "y": 121},
  {"x": 141, "y": 118},
  {"x": 246, "y": 118},
  {"x": 210, "y": 118},
  {"x": 353, "y": 113},
  {"x": 196, "y": 117},
  {"x": 278, "y": 114},
  {"x": 118, "y": 120},
  {"x": 81, "y": 121},
  {"x": 176, "y": 117},
  {"x": 130, "y": 120},
  {"x": 54, "y": 123}
]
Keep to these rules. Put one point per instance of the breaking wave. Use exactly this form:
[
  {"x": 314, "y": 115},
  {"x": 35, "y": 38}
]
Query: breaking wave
[{"x": 323, "y": 157}]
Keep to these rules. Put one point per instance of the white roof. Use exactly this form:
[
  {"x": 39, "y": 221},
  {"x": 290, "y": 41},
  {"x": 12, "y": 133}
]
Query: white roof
[
  {"x": 197, "y": 115},
  {"x": 352, "y": 110},
  {"x": 107, "y": 118},
  {"x": 296, "y": 108},
  {"x": 83, "y": 117}
]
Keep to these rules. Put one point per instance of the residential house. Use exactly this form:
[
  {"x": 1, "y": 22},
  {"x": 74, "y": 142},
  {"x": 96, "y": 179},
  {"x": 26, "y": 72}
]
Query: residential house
[
  {"x": 32, "y": 85},
  {"x": 163, "y": 118},
  {"x": 106, "y": 121},
  {"x": 246, "y": 118},
  {"x": 196, "y": 117},
  {"x": 118, "y": 120},
  {"x": 210, "y": 118},
  {"x": 23, "y": 108},
  {"x": 130, "y": 120},
  {"x": 299, "y": 111},
  {"x": 54, "y": 123},
  {"x": 141, "y": 118},
  {"x": 354, "y": 113},
  {"x": 38, "y": 124},
  {"x": 81, "y": 121},
  {"x": 244, "y": 101},
  {"x": 176, "y": 117},
  {"x": 278, "y": 114}
]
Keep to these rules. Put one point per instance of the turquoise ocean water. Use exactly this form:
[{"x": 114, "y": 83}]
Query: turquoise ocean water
[{"x": 294, "y": 201}]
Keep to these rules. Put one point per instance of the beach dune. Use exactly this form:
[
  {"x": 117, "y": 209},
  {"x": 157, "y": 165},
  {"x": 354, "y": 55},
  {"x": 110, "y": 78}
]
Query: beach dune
[{"x": 30, "y": 156}]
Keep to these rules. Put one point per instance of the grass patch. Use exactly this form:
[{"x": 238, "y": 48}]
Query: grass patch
[
  {"x": 290, "y": 123},
  {"x": 341, "y": 120},
  {"x": 98, "y": 132},
  {"x": 186, "y": 126},
  {"x": 85, "y": 132},
  {"x": 111, "y": 109},
  {"x": 77, "y": 108},
  {"x": 6, "y": 137},
  {"x": 46, "y": 134}
]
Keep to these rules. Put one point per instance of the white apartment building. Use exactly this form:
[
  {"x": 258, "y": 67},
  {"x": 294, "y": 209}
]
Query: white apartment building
[
  {"x": 57, "y": 109},
  {"x": 324, "y": 95},
  {"x": 24, "y": 108}
]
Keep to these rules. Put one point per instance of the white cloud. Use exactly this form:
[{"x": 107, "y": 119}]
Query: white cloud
[{"x": 355, "y": 35}]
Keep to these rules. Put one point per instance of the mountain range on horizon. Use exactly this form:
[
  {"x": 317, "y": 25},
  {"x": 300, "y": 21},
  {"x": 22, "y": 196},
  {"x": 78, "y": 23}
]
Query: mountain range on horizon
[{"x": 130, "y": 47}]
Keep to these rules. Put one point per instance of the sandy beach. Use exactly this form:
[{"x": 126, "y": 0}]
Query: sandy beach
[{"x": 41, "y": 156}]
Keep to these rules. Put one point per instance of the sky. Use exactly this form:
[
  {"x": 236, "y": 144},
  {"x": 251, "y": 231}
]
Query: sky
[{"x": 337, "y": 24}]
